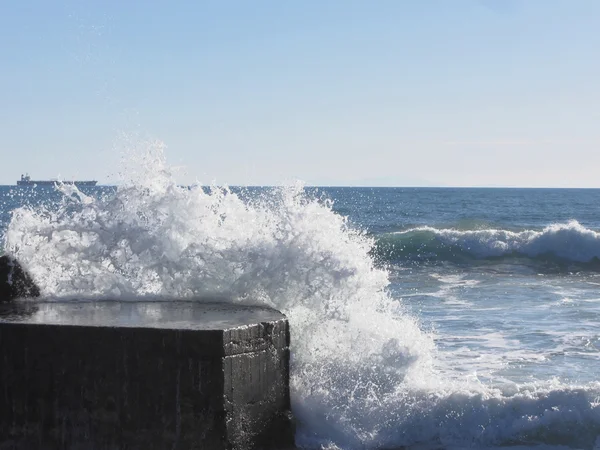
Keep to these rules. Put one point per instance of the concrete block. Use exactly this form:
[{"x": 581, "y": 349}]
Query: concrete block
[{"x": 143, "y": 375}]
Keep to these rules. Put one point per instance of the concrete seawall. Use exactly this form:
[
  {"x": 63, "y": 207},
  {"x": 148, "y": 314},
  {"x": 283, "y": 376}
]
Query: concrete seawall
[{"x": 143, "y": 375}]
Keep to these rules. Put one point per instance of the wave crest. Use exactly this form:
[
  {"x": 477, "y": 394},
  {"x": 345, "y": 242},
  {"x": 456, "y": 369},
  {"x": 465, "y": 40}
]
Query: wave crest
[
  {"x": 283, "y": 249},
  {"x": 569, "y": 242},
  {"x": 362, "y": 372}
]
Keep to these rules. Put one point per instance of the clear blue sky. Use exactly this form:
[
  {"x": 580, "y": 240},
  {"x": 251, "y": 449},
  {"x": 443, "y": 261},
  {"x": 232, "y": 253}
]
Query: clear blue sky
[{"x": 343, "y": 92}]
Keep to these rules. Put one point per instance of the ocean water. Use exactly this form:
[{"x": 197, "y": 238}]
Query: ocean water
[{"x": 421, "y": 318}]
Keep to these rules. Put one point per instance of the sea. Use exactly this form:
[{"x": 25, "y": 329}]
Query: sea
[{"x": 421, "y": 318}]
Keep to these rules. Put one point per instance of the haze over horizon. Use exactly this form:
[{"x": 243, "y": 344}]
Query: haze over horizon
[{"x": 430, "y": 93}]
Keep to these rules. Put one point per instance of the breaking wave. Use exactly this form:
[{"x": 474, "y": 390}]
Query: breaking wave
[
  {"x": 363, "y": 373},
  {"x": 566, "y": 242}
]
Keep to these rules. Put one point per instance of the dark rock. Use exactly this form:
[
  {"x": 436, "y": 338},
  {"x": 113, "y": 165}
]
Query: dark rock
[
  {"x": 14, "y": 281},
  {"x": 144, "y": 375}
]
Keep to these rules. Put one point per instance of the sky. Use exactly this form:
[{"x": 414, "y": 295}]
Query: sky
[{"x": 330, "y": 92}]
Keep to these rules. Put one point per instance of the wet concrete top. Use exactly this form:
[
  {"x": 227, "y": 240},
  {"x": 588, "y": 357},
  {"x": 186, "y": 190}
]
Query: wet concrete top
[{"x": 172, "y": 314}]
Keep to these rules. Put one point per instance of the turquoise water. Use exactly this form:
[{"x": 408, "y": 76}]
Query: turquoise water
[{"x": 458, "y": 318}]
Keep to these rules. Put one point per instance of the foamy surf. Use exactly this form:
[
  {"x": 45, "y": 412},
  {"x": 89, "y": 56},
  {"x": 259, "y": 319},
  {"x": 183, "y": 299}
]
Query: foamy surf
[
  {"x": 364, "y": 374},
  {"x": 569, "y": 242}
]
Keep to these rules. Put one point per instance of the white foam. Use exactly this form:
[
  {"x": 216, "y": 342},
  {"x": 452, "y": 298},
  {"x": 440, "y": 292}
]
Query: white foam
[
  {"x": 571, "y": 241},
  {"x": 362, "y": 371}
]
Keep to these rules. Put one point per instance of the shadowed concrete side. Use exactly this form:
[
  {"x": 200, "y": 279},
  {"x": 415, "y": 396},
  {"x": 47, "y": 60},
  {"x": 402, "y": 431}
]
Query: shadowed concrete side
[{"x": 143, "y": 375}]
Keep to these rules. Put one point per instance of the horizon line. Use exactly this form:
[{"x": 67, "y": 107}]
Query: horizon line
[{"x": 347, "y": 186}]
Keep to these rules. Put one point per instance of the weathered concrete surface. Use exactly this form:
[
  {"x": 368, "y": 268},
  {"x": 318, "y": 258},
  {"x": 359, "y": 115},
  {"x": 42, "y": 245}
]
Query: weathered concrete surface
[{"x": 143, "y": 375}]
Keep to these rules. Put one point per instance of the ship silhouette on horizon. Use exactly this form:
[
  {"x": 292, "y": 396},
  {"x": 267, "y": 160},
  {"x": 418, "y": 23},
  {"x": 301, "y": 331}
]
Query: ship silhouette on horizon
[{"x": 27, "y": 181}]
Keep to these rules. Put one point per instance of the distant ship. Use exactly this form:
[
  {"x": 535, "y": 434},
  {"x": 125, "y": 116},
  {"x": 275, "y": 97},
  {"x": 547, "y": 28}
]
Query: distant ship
[{"x": 27, "y": 181}]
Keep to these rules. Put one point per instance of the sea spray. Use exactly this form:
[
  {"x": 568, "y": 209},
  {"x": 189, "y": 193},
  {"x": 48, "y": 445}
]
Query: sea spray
[
  {"x": 364, "y": 375},
  {"x": 152, "y": 237}
]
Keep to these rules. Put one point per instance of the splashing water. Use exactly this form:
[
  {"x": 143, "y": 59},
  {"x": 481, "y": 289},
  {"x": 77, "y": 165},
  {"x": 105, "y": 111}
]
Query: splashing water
[{"x": 363, "y": 373}]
